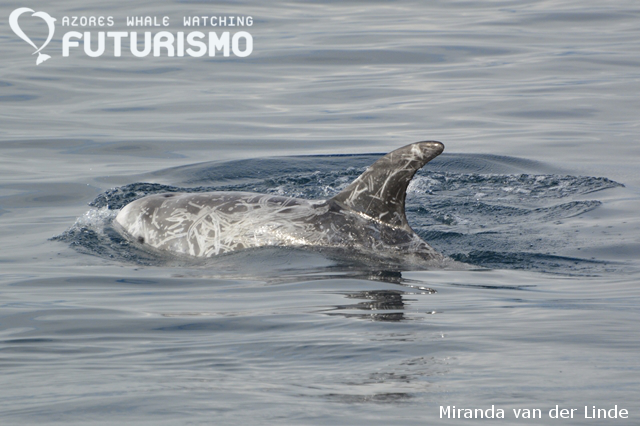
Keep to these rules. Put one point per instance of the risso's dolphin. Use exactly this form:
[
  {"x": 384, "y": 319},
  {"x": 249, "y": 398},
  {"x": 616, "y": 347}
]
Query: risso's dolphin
[{"x": 367, "y": 216}]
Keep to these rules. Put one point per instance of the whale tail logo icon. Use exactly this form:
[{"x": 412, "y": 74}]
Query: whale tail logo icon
[{"x": 13, "y": 22}]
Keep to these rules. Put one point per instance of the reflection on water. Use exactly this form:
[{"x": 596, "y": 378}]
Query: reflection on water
[
  {"x": 376, "y": 301},
  {"x": 381, "y": 305}
]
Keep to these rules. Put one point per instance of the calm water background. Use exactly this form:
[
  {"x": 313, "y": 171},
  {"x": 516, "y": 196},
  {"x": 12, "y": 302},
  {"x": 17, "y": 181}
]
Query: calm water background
[{"x": 93, "y": 334}]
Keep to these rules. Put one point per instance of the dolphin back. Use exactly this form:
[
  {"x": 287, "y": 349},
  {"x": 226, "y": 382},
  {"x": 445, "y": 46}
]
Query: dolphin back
[
  {"x": 380, "y": 192},
  {"x": 367, "y": 216}
]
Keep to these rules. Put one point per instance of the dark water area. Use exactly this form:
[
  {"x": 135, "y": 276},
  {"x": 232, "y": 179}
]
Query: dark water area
[{"x": 537, "y": 191}]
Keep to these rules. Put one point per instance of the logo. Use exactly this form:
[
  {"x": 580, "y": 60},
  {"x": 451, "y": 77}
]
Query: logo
[
  {"x": 15, "y": 26},
  {"x": 198, "y": 36}
]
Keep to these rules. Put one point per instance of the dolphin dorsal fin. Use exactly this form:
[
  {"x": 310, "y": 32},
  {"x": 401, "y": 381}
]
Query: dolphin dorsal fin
[{"x": 381, "y": 190}]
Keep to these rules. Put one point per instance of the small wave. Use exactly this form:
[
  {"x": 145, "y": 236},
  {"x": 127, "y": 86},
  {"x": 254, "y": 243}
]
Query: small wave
[{"x": 536, "y": 261}]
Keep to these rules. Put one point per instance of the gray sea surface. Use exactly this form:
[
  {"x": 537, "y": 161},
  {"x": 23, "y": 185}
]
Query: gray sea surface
[{"x": 538, "y": 190}]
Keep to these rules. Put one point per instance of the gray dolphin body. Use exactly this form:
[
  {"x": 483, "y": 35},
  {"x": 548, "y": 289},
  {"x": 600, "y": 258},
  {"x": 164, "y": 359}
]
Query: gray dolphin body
[{"x": 368, "y": 215}]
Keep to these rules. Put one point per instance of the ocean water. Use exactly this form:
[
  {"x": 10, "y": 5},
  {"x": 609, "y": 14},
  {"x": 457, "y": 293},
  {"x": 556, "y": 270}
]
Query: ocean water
[{"x": 538, "y": 190}]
